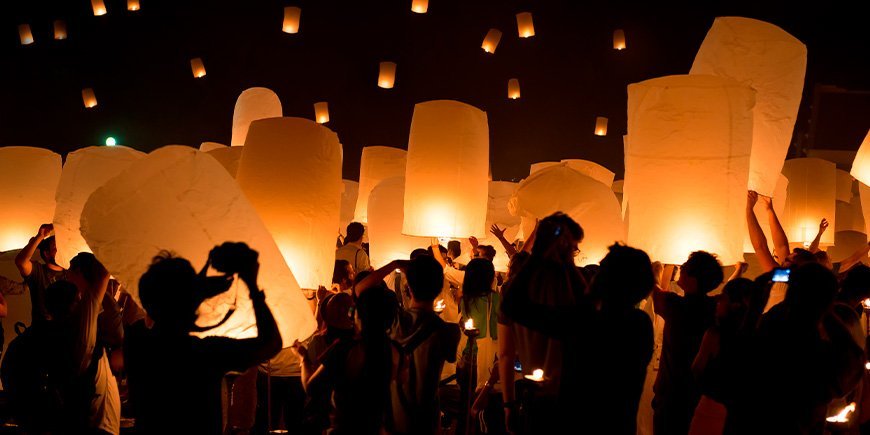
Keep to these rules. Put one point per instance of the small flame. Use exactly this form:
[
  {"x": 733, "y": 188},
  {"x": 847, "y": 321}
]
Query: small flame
[
  {"x": 866, "y": 303},
  {"x": 440, "y": 305},
  {"x": 537, "y": 375},
  {"x": 843, "y": 416},
  {"x": 867, "y": 366},
  {"x": 469, "y": 324}
]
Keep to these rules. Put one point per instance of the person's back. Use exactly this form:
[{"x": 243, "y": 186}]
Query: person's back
[{"x": 352, "y": 250}]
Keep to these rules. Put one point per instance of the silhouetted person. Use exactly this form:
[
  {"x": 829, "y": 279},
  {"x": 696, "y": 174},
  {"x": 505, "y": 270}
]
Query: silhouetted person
[
  {"x": 352, "y": 251},
  {"x": 38, "y": 276}
]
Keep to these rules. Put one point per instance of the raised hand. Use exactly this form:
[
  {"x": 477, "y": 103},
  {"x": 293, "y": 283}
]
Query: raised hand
[
  {"x": 44, "y": 230},
  {"x": 474, "y": 242},
  {"x": 823, "y": 225},
  {"x": 496, "y": 231}
]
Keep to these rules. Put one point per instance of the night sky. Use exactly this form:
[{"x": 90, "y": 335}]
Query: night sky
[{"x": 139, "y": 66}]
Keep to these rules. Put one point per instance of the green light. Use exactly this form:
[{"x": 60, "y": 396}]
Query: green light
[{"x": 110, "y": 141}]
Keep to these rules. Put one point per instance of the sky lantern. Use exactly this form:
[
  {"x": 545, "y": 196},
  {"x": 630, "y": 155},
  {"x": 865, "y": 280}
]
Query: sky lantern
[
  {"x": 513, "y": 89},
  {"x": 386, "y": 213},
  {"x": 617, "y": 188},
  {"x": 291, "y": 172},
  {"x": 498, "y": 213},
  {"x": 292, "y": 14},
  {"x": 850, "y": 216},
  {"x": 600, "y": 126},
  {"x": 253, "y": 104},
  {"x": 772, "y": 62},
  {"x": 619, "y": 39},
  {"x": 524, "y": 25},
  {"x": 25, "y": 35},
  {"x": 59, "y": 30},
  {"x": 861, "y": 165},
  {"x": 28, "y": 180},
  {"x": 89, "y": 98},
  {"x": 321, "y": 112},
  {"x": 864, "y": 192},
  {"x": 377, "y": 163},
  {"x": 197, "y": 67},
  {"x": 349, "y": 196},
  {"x": 208, "y": 146},
  {"x": 812, "y": 193},
  {"x": 387, "y": 75},
  {"x": 591, "y": 169},
  {"x": 133, "y": 5},
  {"x": 228, "y": 157},
  {"x": 844, "y": 186},
  {"x": 179, "y": 199},
  {"x": 85, "y": 170},
  {"x": 446, "y": 179},
  {"x": 535, "y": 167},
  {"x": 99, "y": 7},
  {"x": 419, "y": 6},
  {"x": 760, "y": 210},
  {"x": 686, "y": 176},
  {"x": 490, "y": 41}
]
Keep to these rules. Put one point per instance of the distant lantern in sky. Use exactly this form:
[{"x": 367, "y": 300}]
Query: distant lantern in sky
[
  {"x": 89, "y": 98},
  {"x": 292, "y": 14},
  {"x": 133, "y": 5},
  {"x": 600, "y": 126},
  {"x": 25, "y": 35},
  {"x": 321, "y": 112},
  {"x": 490, "y": 42},
  {"x": 59, "y": 29},
  {"x": 524, "y": 25},
  {"x": 387, "y": 75},
  {"x": 377, "y": 163},
  {"x": 812, "y": 195},
  {"x": 99, "y": 7},
  {"x": 513, "y": 89},
  {"x": 253, "y": 104},
  {"x": 861, "y": 164},
  {"x": 28, "y": 180},
  {"x": 419, "y": 6},
  {"x": 197, "y": 67},
  {"x": 619, "y": 39}
]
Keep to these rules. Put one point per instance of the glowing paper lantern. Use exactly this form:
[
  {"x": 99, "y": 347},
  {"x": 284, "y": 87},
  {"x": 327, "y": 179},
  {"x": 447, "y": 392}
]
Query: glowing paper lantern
[
  {"x": 89, "y": 98},
  {"x": 618, "y": 39},
  {"x": 687, "y": 166},
  {"x": 28, "y": 180},
  {"x": 386, "y": 213},
  {"x": 321, "y": 112},
  {"x": 84, "y": 171},
  {"x": 446, "y": 173},
  {"x": 861, "y": 164},
  {"x": 228, "y": 157},
  {"x": 524, "y": 25},
  {"x": 291, "y": 173},
  {"x": 377, "y": 164},
  {"x": 133, "y": 5},
  {"x": 292, "y": 14},
  {"x": 253, "y": 104},
  {"x": 180, "y": 199},
  {"x": 513, "y": 89},
  {"x": 490, "y": 41},
  {"x": 760, "y": 210},
  {"x": 812, "y": 192},
  {"x": 99, "y": 7},
  {"x": 844, "y": 186},
  {"x": 59, "y": 29},
  {"x": 419, "y": 6},
  {"x": 864, "y": 192},
  {"x": 208, "y": 146},
  {"x": 845, "y": 244},
  {"x": 850, "y": 216},
  {"x": 349, "y": 197},
  {"x": 600, "y": 126},
  {"x": 591, "y": 169},
  {"x": 535, "y": 167},
  {"x": 387, "y": 75},
  {"x": 773, "y": 63},
  {"x": 197, "y": 67},
  {"x": 25, "y": 35},
  {"x": 498, "y": 213}
]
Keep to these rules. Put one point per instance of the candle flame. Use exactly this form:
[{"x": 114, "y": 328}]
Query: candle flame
[
  {"x": 537, "y": 375},
  {"x": 866, "y": 303},
  {"x": 867, "y": 366},
  {"x": 469, "y": 324},
  {"x": 843, "y": 415},
  {"x": 440, "y": 305}
]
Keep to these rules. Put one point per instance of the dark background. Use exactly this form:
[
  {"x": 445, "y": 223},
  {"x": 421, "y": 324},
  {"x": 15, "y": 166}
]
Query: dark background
[{"x": 138, "y": 65}]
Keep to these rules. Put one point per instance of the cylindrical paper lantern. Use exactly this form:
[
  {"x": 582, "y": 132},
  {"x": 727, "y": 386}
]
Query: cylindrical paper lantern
[
  {"x": 616, "y": 187},
  {"x": 25, "y": 35},
  {"x": 687, "y": 166},
  {"x": 619, "y": 39},
  {"x": 600, "y": 126},
  {"x": 864, "y": 193},
  {"x": 846, "y": 243},
  {"x": 89, "y": 98},
  {"x": 812, "y": 193},
  {"x": 524, "y": 25},
  {"x": 59, "y": 29},
  {"x": 84, "y": 171},
  {"x": 197, "y": 67},
  {"x": 386, "y": 212},
  {"x": 419, "y": 6},
  {"x": 99, "y": 7},
  {"x": 773, "y": 63},
  {"x": 321, "y": 112},
  {"x": 349, "y": 198},
  {"x": 292, "y": 14},
  {"x": 291, "y": 172},
  {"x": 498, "y": 213},
  {"x": 133, "y": 5},
  {"x": 760, "y": 210},
  {"x": 228, "y": 157},
  {"x": 490, "y": 41},
  {"x": 208, "y": 146},
  {"x": 253, "y": 104},
  {"x": 535, "y": 167},
  {"x": 446, "y": 173},
  {"x": 377, "y": 164},
  {"x": 861, "y": 164},
  {"x": 513, "y": 89},
  {"x": 179, "y": 199},
  {"x": 28, "y": 180},
  {"x": 844, "y": 186},
  {"x": 591, "y": 169},
  {"x": 387, "y": 75},
  {"x": 850, "y": 216}
]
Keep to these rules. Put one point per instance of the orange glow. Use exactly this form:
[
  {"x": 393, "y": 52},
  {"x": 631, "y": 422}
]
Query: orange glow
[
  {"x": 292, "y": 15},
  {"x": 321, "y": 112},
  {"x": 89, "y": 98},
  {"x": 866, "y": 303},
  {"x": 537, "y": 375},
  {"x": 419, "y": 6},
  {"x": 440, "y": 306},
  {"x": 133, "y": 5},
  {"x": 861, "y": 164},
  {"x": 99, "y": 7},
  {"x": 600, "y": 126},
  {"x": 513, "y": 89},
  {"x": 490, "y": 42},
  {"x": 618, "y": 39},
  {"x": 843, "y": 415},
  {"x": 197, "y": 67},
  {"x": 387, "y": 75},
  {"x": 25, "y": 35},
  {"x": 469, "y": 324},
  {"x": 524, "y": 25},
  {"x": 59, "y": 29}
]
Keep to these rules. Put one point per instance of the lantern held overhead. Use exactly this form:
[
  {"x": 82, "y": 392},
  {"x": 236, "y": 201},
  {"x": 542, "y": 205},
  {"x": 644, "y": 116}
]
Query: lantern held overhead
[
  {"x": 377, "y": 163},
  {"x": 387, "y": 75},
  {"x": 812, "y": 196},
  {"x": 490, "y": 41},
  {"x": 386, "y": 213},
  {"x": 861, "y": 164},
  {"x": 28, "y": 180},
  {"x": 292, "y": 14},
  {"x": 524, "y": 25}
]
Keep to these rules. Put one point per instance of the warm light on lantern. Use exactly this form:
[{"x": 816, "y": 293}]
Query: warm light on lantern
[
  {"x": 524, "y": 25},
  {"x": 99, "y": 7},
  {"x": 321, "y": 112},
  {"x": 89, "y": 98},
  {"x": 600, "y": 126},
  {"x": 513, "y": 89},
  {"x": 619, "y": 39},
  {"x": 387, "y": 75},
  {"x": 59, "y": 29},
  {"x": 537, "y": 375},
  {"x": 490, "y": 42},
  {"x": 197, "y": 67},
  {"x": 812, "y": 195},
  {"x": 861, "y": 164},
  {"x": 253, "y": 104},
  {"x": 28, "y": 181},
  {"x": 132, "y": 5},
  {"x": 25, "y": 35},
  {"x": 843, "y": 415},
  {"x": 292, "y": 15},
  {"x": 377, "y": 163},
  {"x": 385, "y": 213},
  {"x": 419, "y": 6}
]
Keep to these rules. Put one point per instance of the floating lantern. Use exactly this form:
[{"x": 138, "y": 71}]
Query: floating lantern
[
  {"x": 844, "y": 186},
  {"x": 179, "y": 199},
  {"x": 419, "y": 6},
  {"x": 253, "y": 104},
  {"x": 619, "y": 39},
  {"x": 99, "y": 7},
  {"x": 779, "y": 196},
  {"x": 812, "y": 191},
  {"x": 228, "y": 157},
  {"x": 197, "y": 67},
  {"x": 59, "y": 29},
  {"x": 846, "y": 243},
  {"x": 349, "y": 197},
  {"x": 446, "y": 173},
  {"x": 490, "y": 42},
  {"x": 89, "y": 98},
  {"x": 291, "y": 173},
  {"x": 535, "y": 167},
  {"x": 208, "y": 146},
  {"x": 537, "y": 375},
  {"x": 292, "y": 15},
  {"x": 513, "y": 89},
  {"x": 617, "y": 187},
  {"x": 25, "y": 35},
  {"x": 600, "y": 126},
  {"x": 133, "y": 5},
  {"x": 861, "y": 164},
  {"x": 386, "y": 213},
  {"x": 850, "y": 216},
  {"x": 28, "y": 180},
  {"x": 524, "y": 25},
  {"x": 84, "y": 171},
  {"x": 865, "y": 205},
  {"x": 591, "y": 169},
  {"x": 321, "y": 112},
  {"x": 387, "y": 75},
  {"x": 686, "y": 176},
  {"x": 772, "y": 62},
  {"x": 377, "y": 163}
]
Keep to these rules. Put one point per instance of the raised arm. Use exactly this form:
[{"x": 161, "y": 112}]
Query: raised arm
[
  {"x": 22, "y": 260},
  {"x": 379, "y": 275},
  {"x": 780, "y": 240},
  {"x": 756, "y": 235},
  {"x": 814, "y": 246},
  {"x": 436, "y": 252},
  {"x": 530, "y": 240},
  {"x": 660, "y": 291},
  {"x": 499, "y": 234},
  {"x": 855, "y": 258}
]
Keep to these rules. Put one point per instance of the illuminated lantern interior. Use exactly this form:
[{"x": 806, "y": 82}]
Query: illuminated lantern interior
[
  {"x": 99, "y": 7},
  {"x": 525, "y": 28},
  {"x": 321, "y": 112},
  {"x": 59, "y": 30},
  {"x": 619, "y": 39},
  {"x": 89, "y": 98},
  {"x": 812, "y": 192},
  {"x": 386, "y": 213},
  {"x": 513, "y": 89},
  {"x": 387, "y": 75},
  {"x": 253, "y": 104},
  {"x": 197, "y": 67},
  {"x": 28, "y": 181},
  {"x": 25, "y": 35},
  {"x": 600, "y": 126},
  {"x": 861, "y": 164},
  {"x": 419, "y": 6},
  {"x": 292, "y": 14},
  {"x": 228, "y": 157},
  {"x": 133, "y": 5},
  {"x": 377, "y": 164},
  {"x": 349, "y": 198},
  {"x": 490, "y": 41},
  {"x": 208, "y": 146},
  {"x": 591, "y": 169}
]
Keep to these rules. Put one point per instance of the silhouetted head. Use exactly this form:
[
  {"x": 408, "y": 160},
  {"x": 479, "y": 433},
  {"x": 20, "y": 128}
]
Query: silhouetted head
[
  {"x": 418, "y": 252},
  {"x": 86, "y": 265},
  {"x": 425, "y": 278},
  {"x": 343, "y": 274},
  {"x": 48, "y": 250},
  {"x": 454, "y": 249},
  {"x": 823, "y": 259},
  {"x": 355, "y": 231},
  {"x": 799, "y": 257},
  {"x": 624, "y": 277},
  {"x": 517, "y": 262},
  {"x": 441, "y": 248},
  {"x": 811, "y": 290},
  {"x": 167, "y": 292},
  {"x": 856, "y": 286},
  {"x": 479, "y": 274},
  {"x": 60, "y": 298},
  {"x": 557, "y": 238},
  {"x": 701, "y": 273},
  {"x": 377, "y": 307},
  {"x": 338, "y": 311},
  {"x": 485, "y": 251},
  {"x": 733, "y": 304}
]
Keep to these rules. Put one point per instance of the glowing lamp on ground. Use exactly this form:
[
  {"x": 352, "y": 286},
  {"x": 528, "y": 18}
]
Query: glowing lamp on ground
[
  {"x": 772, "y": 62},
  {"x": 349, "y": 197},
  {"x": 619, "y": 39},
  {"x": 419, "y": 6},
  {"x": 28, "y": 180},
  {"x": 386, "y": 213},
  {"x": 25, "y": 35},
  {"x": 99, "y": 7},
  {"x": 321, "y": 112},
  {"x": 253, "y": 104},
  {"x": 525, "y": 27},
  {"x": 387, "y": 75},
  {"x": 687, "y": 166},
  {"x": 89, "y": 98},
  {"x": 446, "y": 175},
  {"x": 59, "y": 30},
  {"x": 491, "y": 40},
  {"x": 861, "y": 164},
  {"x": 291, "y": 172},
  {"x": 536, "y": 376},
  {"x": 513, "y": 89},
  {"x": 292, "y": 14},
  {"x": 133, "y": 5},
  {"x": 377, "y": 163},
  {"x": 197, "y": 67},
  {"x": 600, "y": 126},
  {"x": 812, "y": 192}
]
